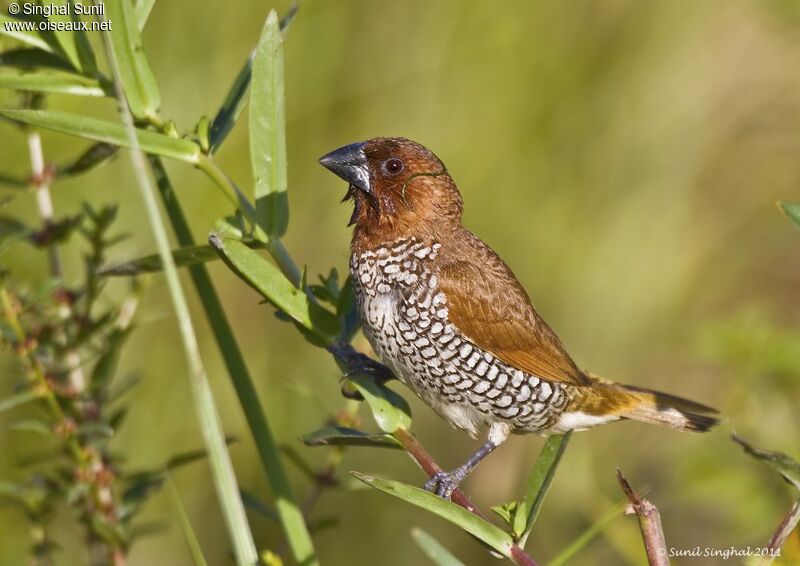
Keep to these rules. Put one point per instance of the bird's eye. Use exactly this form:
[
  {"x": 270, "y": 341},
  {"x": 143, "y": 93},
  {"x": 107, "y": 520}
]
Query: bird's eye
[{"x": 393, "y": 166}]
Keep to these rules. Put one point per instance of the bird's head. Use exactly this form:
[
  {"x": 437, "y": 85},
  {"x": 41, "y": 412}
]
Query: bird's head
[{"x": 398, "y": 186}]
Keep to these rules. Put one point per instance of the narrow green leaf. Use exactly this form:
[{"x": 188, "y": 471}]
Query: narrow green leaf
[
  {"x": 16, "y": 400},
  {"x": 88, "y": 63},
  {"x": 784, "y": 464},
  {"x": 586, "y": 536},
  {"x": 343, "y": 436},
  {"x": 268, "y": 280},
  {"x": 32, "y": 425},
  {"x": 433, "y": 549},
  {"x": 13, "y": 229},
  {"x": 50, "y": 81},
  {"x": 11, "y": 181},
  {"x": 96, "y": 155},
  {"x": 255, "y": 504},
  {"x": 109, "y": 132},
  {"x": 389, "y": 409},
  {"x": 237, "y": 95},
  {"x": 31, "y": 58},
  {"x": 792, "y": 210},
  {"x": 143, "y": 9},
  {"x": 12, "y": 27},
  {"x": 189, "y": 535},
  {"x": 538, "y": 485},
  {"x": 65, "y": 39},
  {"x": 290, "y": 513},
  {"x": 137, "y": 78},
  {"x": 488, "y": 533},
  {"x": 268, "y": 131},
  {"x": 184, "y": 257}
]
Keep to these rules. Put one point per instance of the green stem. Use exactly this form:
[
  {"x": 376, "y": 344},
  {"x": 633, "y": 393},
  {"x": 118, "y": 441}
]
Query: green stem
[
  {"x": 291, "y": 517},
  {"x": 223, "y": 475}
]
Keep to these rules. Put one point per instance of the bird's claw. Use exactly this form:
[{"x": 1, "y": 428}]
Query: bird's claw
[{"x": 444, "y": 484}]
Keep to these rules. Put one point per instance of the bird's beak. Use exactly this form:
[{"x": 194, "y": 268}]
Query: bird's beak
[{"x": 349, "y": 163}]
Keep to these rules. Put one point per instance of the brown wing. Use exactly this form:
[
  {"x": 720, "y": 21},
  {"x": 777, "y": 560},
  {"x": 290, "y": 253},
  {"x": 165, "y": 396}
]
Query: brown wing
[{"x": 489, "y": 306}]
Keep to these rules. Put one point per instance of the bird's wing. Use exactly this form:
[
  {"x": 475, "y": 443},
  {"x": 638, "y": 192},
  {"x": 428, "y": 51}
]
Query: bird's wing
[{"x": 489, "y": 306}]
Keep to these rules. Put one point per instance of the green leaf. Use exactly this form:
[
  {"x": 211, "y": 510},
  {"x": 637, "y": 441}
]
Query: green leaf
[
  {"x": 96, "y": 155},
  {"x": 389, "y": 409},
  {"x": 13, "y": 229},
  {"x": 66, "y": 40},
  {"x": 109, "y": 132},
  {"x": 290, "y": 513},
  {"x": 31, "y": 58},
  {"x": 586, "y": 536},
  {"x": 538, "y": 485},
  {"x": 471, "y": 523},
  {"x": 268, "y": 131},
  {"x": 433, "y": 549},
  {"x": 138, "y": 81},
  {"x": 8, "y": 26},
  {"x": 62, "y": 82},
  {"x": 267, "y": 279},
  {"x": 107, "y": 363},
  {"x": 33, "y": 425},
  {"x": 792, "y": 210},
  {"x": 189, "y": 535},
  {"x": 16, "y": 400},
  {"x": 143, "y": 9},
  {"x": 255, "y": 504},
  {"x": 506, "y": 511},
  {"x": 343, "y": 436},
  {"x": 785, "y": 465},
  {"x": 235, "y": 100},
  {"x": 184, "y": 257}
]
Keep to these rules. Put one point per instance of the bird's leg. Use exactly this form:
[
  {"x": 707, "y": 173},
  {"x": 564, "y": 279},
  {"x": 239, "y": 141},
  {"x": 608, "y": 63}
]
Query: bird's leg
[
  {"x": 354, "y": 362},
  {"x": 444, "y": 484}
]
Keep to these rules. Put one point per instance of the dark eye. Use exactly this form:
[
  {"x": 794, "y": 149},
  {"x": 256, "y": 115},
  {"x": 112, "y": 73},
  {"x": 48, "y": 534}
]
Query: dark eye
[{"x": 393, "y": 166}]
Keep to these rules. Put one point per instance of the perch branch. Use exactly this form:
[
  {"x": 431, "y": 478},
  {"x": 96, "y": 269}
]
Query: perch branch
[
  {"x": 649, "y": 523},
  {"x": 787, "y": 525}
]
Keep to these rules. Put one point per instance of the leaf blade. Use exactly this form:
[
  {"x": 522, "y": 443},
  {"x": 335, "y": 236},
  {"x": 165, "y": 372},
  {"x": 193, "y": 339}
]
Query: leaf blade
[
  {"x": 488, "y": 533},
  {"x": 792, "y": 211},
  {"x": 108, "y": 132},
  {"x": 433, "y": 549},
  {"x": 268, "y": 130},
  {"x": 59, "y": 82},
  {"x": 343, "y": 436}
]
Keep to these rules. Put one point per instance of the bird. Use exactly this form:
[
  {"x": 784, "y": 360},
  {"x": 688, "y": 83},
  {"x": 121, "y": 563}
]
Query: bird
[{"x": 452, "y": 322}]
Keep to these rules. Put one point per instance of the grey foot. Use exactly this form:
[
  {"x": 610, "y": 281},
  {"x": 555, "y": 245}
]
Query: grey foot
[{"x": 444, "y": 484}]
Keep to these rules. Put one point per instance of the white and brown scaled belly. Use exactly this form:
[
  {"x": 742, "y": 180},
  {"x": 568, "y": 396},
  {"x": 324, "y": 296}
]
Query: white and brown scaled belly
[{"x": 405, "y": 318}]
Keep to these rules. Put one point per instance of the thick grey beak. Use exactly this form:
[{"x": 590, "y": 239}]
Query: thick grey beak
[{"x": 349, "y": 163}]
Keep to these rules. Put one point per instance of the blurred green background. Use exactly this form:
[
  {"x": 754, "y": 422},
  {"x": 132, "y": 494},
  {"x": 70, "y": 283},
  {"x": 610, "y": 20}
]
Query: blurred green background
[{"x": 624, "y": 157}]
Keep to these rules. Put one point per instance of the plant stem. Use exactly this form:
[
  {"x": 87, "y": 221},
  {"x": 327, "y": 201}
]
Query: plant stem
[
  {"x": 649, "y": 523},
  {"x": 211, "y": 428},
  {"x": 44, "y": 202},
  {"x": 787, "y": 525},
  {"x": 288, "y": 510}
]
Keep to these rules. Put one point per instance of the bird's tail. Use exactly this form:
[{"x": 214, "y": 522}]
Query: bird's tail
[{"x": 654, "y": 407}]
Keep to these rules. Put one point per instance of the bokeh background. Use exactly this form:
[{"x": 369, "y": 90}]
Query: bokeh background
[{"x": 624, "y": 157}]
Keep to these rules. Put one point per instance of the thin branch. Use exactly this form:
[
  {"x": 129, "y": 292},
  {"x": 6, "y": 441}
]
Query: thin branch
[
  {"x": 787, "y": 525},
  {"x": 649, "y": 523},
  {"x": 41, "y": 178}
]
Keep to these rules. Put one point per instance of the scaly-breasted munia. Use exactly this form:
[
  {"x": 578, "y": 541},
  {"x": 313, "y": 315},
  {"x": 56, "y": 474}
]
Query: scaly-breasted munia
[{"x": 451, "y": 321}]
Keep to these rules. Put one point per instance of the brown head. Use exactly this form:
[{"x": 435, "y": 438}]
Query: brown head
[{"x": 399, "y": 187}]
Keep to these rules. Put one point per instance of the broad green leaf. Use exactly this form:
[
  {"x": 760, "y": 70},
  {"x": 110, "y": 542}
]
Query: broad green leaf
[
  {"x": 433, "y": 549},
  {"x": 50, "y": 81},
  {"x": 96, "y": 155},
  {"x": 109, "y": 132},
  {"x": 16, "y": 400},
  {"x": 11, "y": 27},
  {"x": 343, "y": 436},
  {"x": 488, "y": 533},
  {"x": 268, "y": 280},
  {"x": 137, "y": 78},
  {"x": 586, "y": 536},
  {"x": 390, "y": 410},
  {"x": 538, "y": 485},
  {"x": 784, "y": 464},
  {"x": 184, "y": 257},
  {"x": 792, "y": 210},
  {"x": 268, "y": 131},
  {"x": 143, "y": 9}
]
